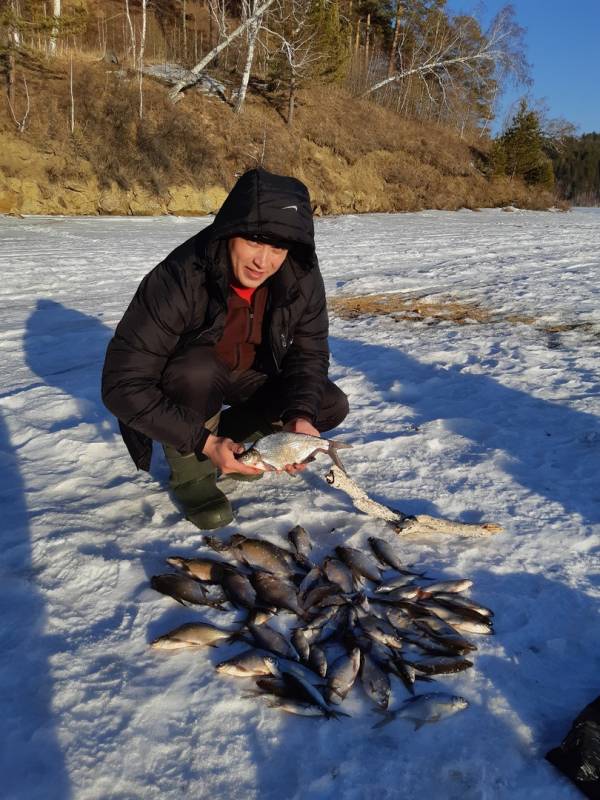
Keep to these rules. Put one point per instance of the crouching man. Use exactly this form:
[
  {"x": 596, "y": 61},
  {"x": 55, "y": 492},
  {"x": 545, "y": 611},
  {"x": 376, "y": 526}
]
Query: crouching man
[{"x": 235, "y": 316}]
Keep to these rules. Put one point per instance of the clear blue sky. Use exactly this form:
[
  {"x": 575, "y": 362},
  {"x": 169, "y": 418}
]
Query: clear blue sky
[{"x": 563, "y": 47}]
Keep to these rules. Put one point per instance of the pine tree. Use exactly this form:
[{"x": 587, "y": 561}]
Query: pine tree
[{"x": 523, "y": 146}]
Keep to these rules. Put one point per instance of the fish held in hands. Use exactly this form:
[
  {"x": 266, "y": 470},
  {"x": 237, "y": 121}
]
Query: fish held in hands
[{"x": 278, "y": 450}]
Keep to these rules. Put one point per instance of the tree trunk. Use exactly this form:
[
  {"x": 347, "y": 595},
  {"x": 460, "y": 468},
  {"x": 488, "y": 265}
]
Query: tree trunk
[
  {"x": 54, "y": 33},
  {"x": 131, "y": 33},
  {"x": 141, "y": 57},
  {"x": 392, "y": 58},
  {"x": 292, "y": 101},
  {"x": 252, "y": 34}
]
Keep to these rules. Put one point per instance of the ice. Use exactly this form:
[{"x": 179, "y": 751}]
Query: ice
[{"x": 476, "y": 422}]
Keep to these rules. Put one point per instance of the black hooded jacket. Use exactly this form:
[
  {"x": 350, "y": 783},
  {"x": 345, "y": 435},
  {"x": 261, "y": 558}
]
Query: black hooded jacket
[{"x": 183, "y": 302}]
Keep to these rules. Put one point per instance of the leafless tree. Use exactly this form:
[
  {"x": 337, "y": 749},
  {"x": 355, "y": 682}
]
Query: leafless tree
[{"x": 449, "y": 52}]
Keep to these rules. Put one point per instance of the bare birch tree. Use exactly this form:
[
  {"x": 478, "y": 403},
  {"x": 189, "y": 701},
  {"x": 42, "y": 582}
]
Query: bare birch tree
[{"x": 197, "y": 70}]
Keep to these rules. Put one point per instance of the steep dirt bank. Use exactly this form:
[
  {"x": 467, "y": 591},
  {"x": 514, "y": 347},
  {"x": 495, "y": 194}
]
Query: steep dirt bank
[{"x": 353, "y": 155}]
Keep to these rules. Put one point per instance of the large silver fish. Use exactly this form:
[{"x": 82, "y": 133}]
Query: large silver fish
[
  {"x": 424, "y": 708},
  {"x": 277, "y": 450}
]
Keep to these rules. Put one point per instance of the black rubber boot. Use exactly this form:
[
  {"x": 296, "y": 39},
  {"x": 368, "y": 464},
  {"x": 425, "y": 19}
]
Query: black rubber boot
[
  {"x": 243, "y": 425},
  {"x": 193, "y": 482}
]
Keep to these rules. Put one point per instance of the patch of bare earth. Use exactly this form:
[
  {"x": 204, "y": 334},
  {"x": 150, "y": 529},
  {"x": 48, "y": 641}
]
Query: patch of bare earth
[{"x": 400, "y": 306}]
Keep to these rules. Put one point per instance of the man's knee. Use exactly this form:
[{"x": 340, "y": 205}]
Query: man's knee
[
  {"x": 334, "y": 408},
  {"x": 190, "y": 376}
]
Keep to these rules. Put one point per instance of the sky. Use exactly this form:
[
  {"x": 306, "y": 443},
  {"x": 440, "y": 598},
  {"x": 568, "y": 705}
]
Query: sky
[{"x": 562, "y": 47}]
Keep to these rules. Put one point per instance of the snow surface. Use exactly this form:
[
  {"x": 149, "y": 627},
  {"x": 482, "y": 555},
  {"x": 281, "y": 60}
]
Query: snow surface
[{"x": 493, "y": 422}]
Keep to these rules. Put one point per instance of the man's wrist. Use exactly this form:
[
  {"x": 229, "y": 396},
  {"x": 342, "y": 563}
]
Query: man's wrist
[
  {"x": 291, "y": 416},
  {"x": 199, "y": 449}
]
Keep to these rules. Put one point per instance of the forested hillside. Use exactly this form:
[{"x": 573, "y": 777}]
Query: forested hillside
[
  {"x": 153, "y": 106},
  {"x": 577, "y": 170}
]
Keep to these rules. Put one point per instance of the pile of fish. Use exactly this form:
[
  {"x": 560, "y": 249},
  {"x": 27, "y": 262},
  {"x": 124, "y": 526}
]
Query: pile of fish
[{"x": 355, "y": 619}]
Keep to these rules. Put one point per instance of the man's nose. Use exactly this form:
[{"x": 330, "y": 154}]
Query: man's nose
[{"x": 261, "y": 257}]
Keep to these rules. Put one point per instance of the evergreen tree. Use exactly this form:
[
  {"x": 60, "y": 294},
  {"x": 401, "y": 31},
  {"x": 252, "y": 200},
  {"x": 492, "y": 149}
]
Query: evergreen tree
[{"x": 522, "y": 145}]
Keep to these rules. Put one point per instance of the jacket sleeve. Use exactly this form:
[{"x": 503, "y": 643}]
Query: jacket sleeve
[
  {"x": 146, "y": 337},
  {"x": 306, "y": 364}
]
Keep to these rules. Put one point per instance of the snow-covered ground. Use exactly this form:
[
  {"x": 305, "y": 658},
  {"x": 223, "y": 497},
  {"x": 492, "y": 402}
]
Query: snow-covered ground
[{"x": 477, "y": 422}]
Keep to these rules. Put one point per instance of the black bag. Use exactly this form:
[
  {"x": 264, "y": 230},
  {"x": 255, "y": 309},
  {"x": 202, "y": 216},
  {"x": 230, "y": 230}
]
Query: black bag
[{"x": 578, "y": 756}]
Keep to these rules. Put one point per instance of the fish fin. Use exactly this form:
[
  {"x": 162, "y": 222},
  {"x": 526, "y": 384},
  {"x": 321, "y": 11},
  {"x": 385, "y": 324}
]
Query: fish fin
[
  {"x": 337, "y": 714},
  {"x": 332, "y": 453},
  {"x": 388, "y": 717},
  {"x": 419, "y": 723},
  {"x": 337, "y": 443}
]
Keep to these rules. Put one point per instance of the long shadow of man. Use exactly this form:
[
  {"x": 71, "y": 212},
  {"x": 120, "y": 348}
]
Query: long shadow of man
[
  {"x": 31, "y": 761},
  {"x": 551, "y": 448}
]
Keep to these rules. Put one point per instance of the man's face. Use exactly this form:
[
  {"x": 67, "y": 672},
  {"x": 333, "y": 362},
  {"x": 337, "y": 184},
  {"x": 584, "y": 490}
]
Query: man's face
[{"x": 254, "y": 262}]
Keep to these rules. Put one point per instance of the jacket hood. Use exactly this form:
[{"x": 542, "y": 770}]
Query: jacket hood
[{"x": 265, "y": 206}]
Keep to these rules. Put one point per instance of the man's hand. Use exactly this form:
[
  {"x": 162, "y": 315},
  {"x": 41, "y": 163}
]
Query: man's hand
[
  {"x": 299, "y": 425},
  {"x": 222, "y": 452}
]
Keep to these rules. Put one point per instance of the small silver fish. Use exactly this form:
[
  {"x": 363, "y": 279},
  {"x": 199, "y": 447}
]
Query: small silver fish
[
  {"x": 440, "y": 665},
  {"x": 300, "y": 540},
  {"x": 269, "y": 639},
  {"x": 276, "y": 451},
  {"x": 337, "y": 572},
  {"x": 186, "y": 591},
  {"x": 301, "y": 643},
  {"x": 424, "y": 708},
  {"x": 193, "y": 634},
  {"x": 385, "y": 553},
  {"x": 300, "y": 688},
  {"x": 204, "y": 569},
  {"x": 275, "y": 591},
  {"x": 318, "y": 660},
  {"x": 358, "y": 562},
  {"x": 238, "y": 588},
  {"x": 460, "y": 585},
  {"x": 375, "y": 682},
  {"x": 342, "y": 675},
  {"x": 247, "y": 664}
]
